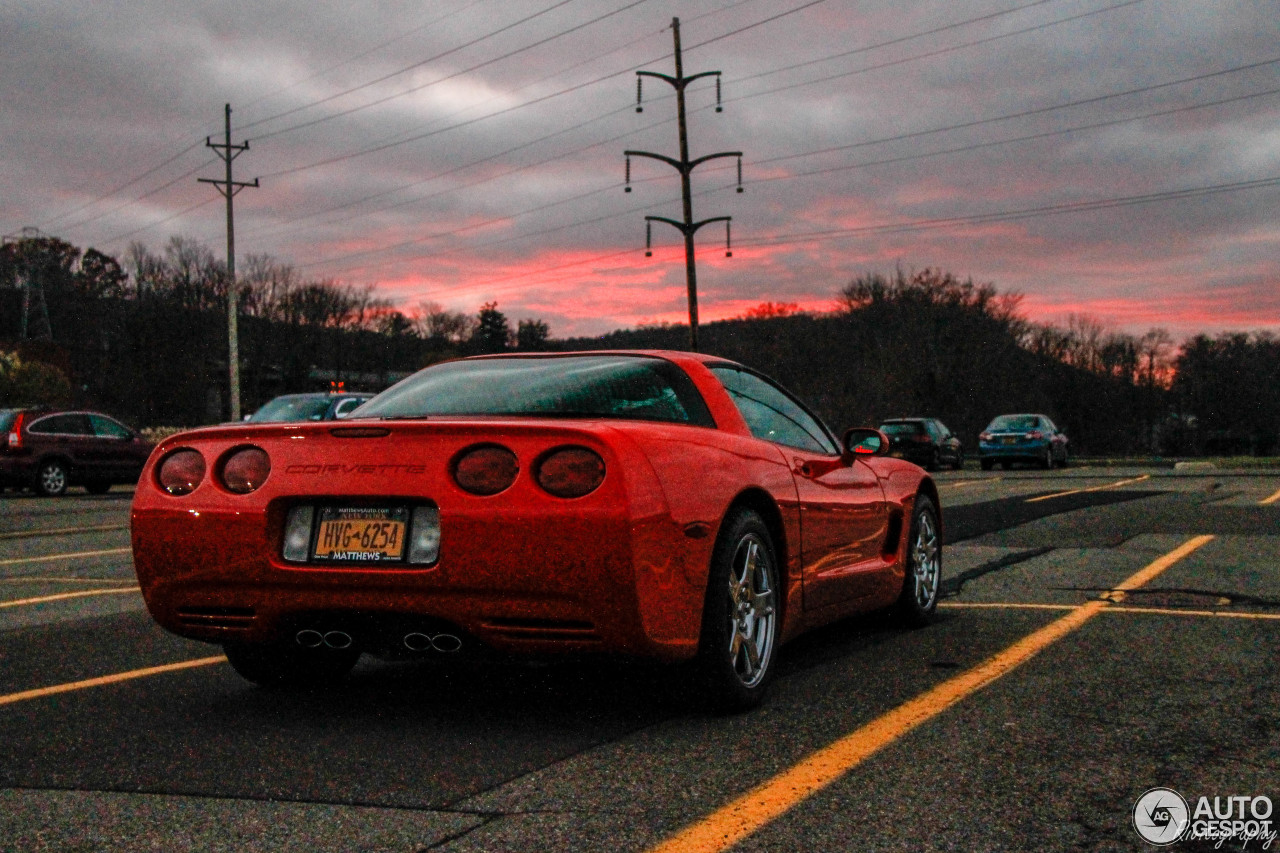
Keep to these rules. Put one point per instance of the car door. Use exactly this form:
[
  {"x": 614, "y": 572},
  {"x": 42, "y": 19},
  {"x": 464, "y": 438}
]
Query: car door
[
  {"x": 69, "y": 435},
  {"x": 122, "y": 455},
  {"x": 843, "y": 517}
]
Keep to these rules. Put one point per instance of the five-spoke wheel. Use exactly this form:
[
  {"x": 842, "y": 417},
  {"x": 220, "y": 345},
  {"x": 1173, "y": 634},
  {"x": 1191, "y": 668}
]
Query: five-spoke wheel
[{"x": 920, "y": 586}]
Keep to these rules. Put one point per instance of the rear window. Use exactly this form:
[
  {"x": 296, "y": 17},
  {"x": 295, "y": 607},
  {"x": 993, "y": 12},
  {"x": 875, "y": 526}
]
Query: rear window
[
  {"x": 1015, "y": 422},
  {"x": 902, "y": 428},
  {"x": 7, "y": 417},
  {"x": 627, "y": 387}
]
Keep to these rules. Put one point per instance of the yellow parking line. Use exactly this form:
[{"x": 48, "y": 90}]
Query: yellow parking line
[
  {"x": 59, "y": 531},
  {"x": 108, "y": 679},
  {"x": 1006, "y": 605},
  {"x": 19, "y": 602},
  {"x": 1093, "y": 489},
  {"x": 53, "y": 557},
  {"x": 960, "y": 483},
  {"x": 1167, "y": 611},
  {"x": 776, "y": 796},
  {"x": 29, "y": 579},
  {"x": 1270, "y": 500}
]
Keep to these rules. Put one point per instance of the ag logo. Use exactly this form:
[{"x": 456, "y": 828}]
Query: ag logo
[{"x": 1161, "y": 816}]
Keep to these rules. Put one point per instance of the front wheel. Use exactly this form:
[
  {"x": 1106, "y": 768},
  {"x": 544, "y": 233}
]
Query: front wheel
[
  {"x": 275, "y": 665},
  {"x": 923, "y": 576},
  {"x": 740, "y": 616}
]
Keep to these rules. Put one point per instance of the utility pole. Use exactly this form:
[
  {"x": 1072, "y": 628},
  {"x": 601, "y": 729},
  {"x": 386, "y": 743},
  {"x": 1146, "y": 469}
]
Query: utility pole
[
  {"x": 35, "y": 311},
  {"x": 229, "y": 188},
  {"x": 684, "y": 166}
]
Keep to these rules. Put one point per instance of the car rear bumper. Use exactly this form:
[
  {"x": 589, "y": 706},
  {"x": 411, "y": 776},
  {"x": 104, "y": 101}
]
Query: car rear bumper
[{"x": 1021, "y": 450}]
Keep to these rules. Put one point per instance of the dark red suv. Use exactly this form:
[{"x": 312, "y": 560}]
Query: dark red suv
[{"x": 48, "y": 451}]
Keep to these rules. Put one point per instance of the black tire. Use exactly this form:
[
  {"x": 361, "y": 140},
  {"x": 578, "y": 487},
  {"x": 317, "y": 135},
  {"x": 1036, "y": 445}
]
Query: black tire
[
  {"x": 97, "y": 488},
  {"x": 934, "y": 461},
  {"x": 1047, "y": 462},
  {"x": 740, "y": 617},
  {"x": 1062, "y": 463},
  {"x": 922, "y": 580},
  {"x": 959, "y": 463},
  {"x": 51, "y": 479},
  {"x": 271, "y": 665},
  {"x": 986, "y": 464}
]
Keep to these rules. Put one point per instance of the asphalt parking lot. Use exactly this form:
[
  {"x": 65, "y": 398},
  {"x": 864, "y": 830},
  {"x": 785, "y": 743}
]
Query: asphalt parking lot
[{"x": 1104, "y": 632}]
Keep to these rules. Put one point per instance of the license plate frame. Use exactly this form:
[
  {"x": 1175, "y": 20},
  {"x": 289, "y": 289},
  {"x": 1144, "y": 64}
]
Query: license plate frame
[{"x": 360, "y": 534}]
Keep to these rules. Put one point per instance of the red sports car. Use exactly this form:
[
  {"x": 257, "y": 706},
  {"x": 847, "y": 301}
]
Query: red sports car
[{"x": 657, "y": 504}]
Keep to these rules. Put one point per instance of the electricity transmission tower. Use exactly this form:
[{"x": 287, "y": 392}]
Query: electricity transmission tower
[
  {"x": 685, "y": 167},
  {"x": 35, "y": 311},
  {"x": 229, "y": 188}
]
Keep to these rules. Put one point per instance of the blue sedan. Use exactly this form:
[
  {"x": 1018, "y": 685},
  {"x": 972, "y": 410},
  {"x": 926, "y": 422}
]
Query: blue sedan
[{"x": 1022, "y": 438}]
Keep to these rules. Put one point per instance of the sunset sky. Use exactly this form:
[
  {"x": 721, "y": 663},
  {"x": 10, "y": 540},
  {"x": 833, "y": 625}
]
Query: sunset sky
[{"x": 1113, "y": 158}]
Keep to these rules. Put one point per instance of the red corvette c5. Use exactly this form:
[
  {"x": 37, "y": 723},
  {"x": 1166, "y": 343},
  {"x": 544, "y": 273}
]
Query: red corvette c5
[{"x": 657, "y": 504}]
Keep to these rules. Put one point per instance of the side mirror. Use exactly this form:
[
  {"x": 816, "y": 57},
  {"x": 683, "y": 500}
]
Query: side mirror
[{"x": 865, "y": 441}]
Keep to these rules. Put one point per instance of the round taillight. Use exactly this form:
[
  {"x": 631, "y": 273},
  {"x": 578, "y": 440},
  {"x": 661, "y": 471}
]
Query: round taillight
[
  {"x": 180, "y": 472},
  {"x": 245, "y": 470},
  {"x": 571, "y": 472},
  {"x": 486, "y": 470}
]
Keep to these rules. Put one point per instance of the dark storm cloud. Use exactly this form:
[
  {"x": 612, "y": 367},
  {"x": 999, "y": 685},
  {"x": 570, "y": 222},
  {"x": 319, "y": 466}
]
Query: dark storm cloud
[{"x": 491, "y": 185}]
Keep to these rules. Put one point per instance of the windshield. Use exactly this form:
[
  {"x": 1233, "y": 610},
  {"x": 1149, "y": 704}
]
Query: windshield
[
  {"x": 292, "y": 408},
  {"x": 631, "y": 387},
  {"x": 1014, "y": 422}
]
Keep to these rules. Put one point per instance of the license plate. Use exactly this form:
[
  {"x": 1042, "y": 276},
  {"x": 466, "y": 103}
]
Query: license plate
[
  {"x": 362, "y": 534},
  {"x": 897, "y": 454},
  {"x": 1010, "y": 439}
]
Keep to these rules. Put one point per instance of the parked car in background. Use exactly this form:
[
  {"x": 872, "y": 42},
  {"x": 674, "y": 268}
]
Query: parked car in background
[
  {"x": 1022, "y": 438},
  {"x": 47, "y": 451},
  {"x": 924, "y": 441},
  {"x": 663, "y": 505},
  {"x": 318, "y": 406}
]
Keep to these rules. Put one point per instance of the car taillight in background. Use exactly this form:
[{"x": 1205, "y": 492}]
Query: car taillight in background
[
  {"x": 180, "y": 472},
  {"x": 1035, "y": 434},
  {"x": 571, "y": 472},
  {"x": 15, "y": 432},
  {"x": 245, "y": 470},
  {"x": 984, "y": 436},
  {"x": 486, "y": 469},
  {"x": 920, "y": 439}
]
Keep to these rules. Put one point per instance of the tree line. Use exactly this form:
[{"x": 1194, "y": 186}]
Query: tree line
[{"x": 146, "y": 340}]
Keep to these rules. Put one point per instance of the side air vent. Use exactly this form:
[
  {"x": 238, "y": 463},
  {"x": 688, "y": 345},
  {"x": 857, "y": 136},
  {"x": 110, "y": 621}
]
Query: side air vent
[
  {"x": 893, "y": 537},
  {"x": 216, "y": 617}
]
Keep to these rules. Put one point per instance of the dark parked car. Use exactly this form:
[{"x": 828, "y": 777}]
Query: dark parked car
[
  {"x": 924, "y": 441},
  {"x": 1022, "y": 438},
  {"x": 319, "y": 406},
  {"x": 48, "y": 451}
]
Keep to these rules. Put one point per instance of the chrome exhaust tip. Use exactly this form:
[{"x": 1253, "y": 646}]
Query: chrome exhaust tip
[
  {"x": 416, "y": 642},
  {"x": 446, "y": 643},
  {"x": 309, "y": 638},
  {"x": 337, "y": 640}
]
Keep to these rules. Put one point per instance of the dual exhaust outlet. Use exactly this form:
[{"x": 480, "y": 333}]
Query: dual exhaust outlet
[{"x": 414, "y": 641}]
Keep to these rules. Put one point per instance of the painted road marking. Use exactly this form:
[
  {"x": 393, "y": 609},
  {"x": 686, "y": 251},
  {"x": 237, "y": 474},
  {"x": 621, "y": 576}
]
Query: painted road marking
[
  {"x": 53, "y": 557},
  {"x": 109, "y": 679},
  {"x": 1093, "y": 489},
  {"x": 773, "y": 798},
  {"x": 1167, "y": 611},
  {"x": 21, "y": 602},
  {"x": 961, "y": 483},
  {"x": 28, "y": 579},
  {"x": 1270, "y": 500},
  {"x": 61, "y": 531}
]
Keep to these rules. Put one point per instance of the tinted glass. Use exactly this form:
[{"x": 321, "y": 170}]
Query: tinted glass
[
  {"x": 7, "y": 417},
  {"x": 631, "y": 387},
  {"x": 346, "y": 407},
  {"x": 104, "y": 427},
  {"x": 771, "y": 414},
  {"x": 62, "y": 425},
  {"x": 292, "y": 408},
  {"x": 1015, "y": 422}
]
